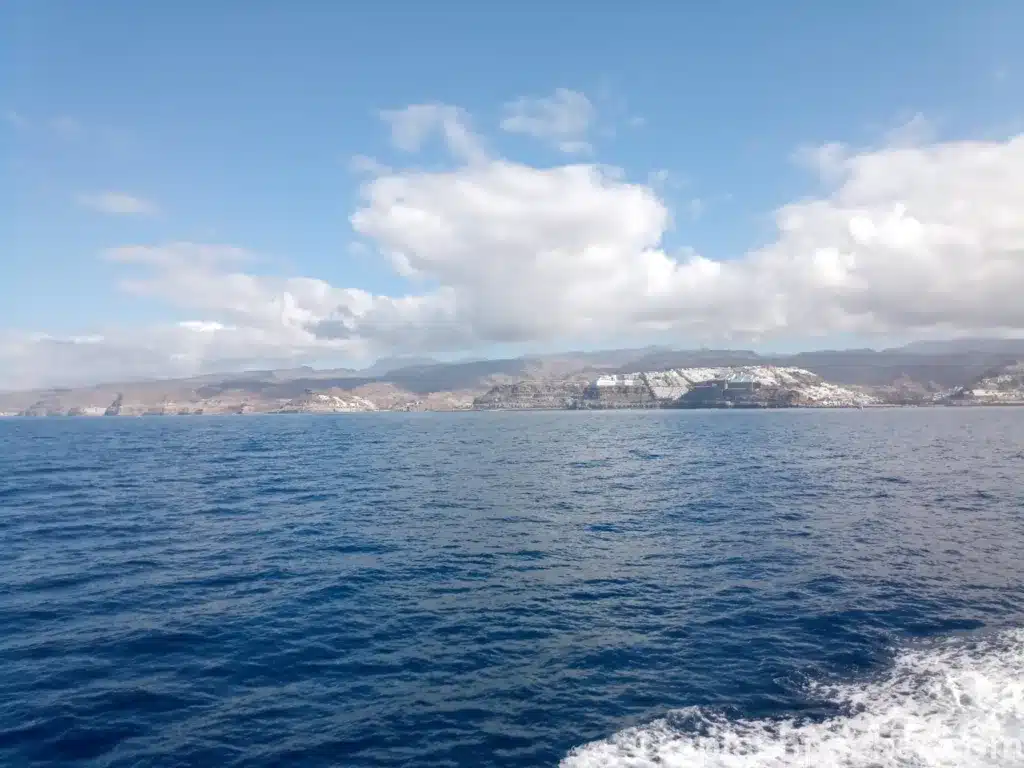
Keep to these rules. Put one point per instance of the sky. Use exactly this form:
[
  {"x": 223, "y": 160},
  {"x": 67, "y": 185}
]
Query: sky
[{"x": 207, "y": 186}]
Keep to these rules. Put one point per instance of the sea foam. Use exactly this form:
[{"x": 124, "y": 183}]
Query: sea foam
[{"x": 955, "y": 703}]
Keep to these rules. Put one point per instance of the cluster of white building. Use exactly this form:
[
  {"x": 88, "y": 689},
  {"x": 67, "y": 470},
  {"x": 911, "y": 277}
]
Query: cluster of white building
[{"x": 673, "y": 384}]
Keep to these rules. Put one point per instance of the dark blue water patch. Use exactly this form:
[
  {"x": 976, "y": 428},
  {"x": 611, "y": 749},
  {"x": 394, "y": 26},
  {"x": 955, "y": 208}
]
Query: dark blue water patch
[
  {"x": 479, "y": 589},
  {"x": 646, "y": 455},
  {"x": 894, "y": 479}
]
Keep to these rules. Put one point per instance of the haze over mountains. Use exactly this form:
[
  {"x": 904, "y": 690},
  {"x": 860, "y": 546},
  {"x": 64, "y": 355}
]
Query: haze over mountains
[{"x": 421, "y": 383}]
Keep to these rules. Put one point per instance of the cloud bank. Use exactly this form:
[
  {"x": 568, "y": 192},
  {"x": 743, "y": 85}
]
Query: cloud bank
[{"x": 924, "y": 238}]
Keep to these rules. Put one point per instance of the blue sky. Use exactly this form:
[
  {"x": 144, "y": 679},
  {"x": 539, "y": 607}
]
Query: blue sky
[{"x": 237, "y": 123}]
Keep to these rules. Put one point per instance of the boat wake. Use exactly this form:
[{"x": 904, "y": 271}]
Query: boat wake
[{"x": 958, "y": 703}]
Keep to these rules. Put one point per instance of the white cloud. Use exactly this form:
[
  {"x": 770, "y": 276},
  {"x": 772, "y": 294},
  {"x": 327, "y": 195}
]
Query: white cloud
[
  {"x": 411, "y": 126},
  {"x": 563, "y": 119},
  {"x": 205, "y": 326},
  {"x": 207, "y": 277},
  {"x": 118, "y": 204},
  {"x": 905, "y": 240}
]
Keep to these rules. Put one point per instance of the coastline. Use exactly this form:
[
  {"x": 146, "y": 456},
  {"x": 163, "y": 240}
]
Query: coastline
[{"x": 667, "y": 407}]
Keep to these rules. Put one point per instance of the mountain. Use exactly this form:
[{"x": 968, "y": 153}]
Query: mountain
[
  {"x": 386, "y": 365},
  {"x": 945, "y": 369},
  {"x": 665, "y": 359},
  {"x": 913, "y": 373},
  {"x": 1014, "y": 347}
]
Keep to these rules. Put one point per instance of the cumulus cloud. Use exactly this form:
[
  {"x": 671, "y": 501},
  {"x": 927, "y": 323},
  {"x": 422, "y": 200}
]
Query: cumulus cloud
[
  {"x": 237, "y": 320},
  {"x": 209, "y": 279},
  {"x": 924, "y": 239},
  {"x": 563, "y": 119},
  {"x": 908, "y": 239},
  {"x": 118, "y": 204}
]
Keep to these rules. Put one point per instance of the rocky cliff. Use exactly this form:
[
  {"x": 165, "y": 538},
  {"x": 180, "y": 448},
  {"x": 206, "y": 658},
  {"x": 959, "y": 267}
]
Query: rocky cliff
[
  {"x": 724, "y": 386},
  {"x": 320, "y": 402},
  {"x": 532, "y": 395},
  {"x": 624, "y": 392},
  {"x": 713, "y": 387}
]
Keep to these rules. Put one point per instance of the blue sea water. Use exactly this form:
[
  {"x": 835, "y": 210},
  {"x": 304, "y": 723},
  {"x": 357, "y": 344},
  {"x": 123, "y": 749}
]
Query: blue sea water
[{"x": 659, "y": 588}]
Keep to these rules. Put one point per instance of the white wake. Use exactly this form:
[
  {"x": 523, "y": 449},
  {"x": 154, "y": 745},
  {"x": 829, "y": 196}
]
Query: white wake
[{"x": 960, "y": 703}]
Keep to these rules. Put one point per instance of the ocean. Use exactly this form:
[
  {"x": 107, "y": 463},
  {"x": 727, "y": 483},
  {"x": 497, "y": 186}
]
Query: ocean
[{"x": 577, "y": 589}]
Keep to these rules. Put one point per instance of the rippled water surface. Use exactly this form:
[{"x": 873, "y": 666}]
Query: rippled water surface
[{"x": 514, "y": 589}]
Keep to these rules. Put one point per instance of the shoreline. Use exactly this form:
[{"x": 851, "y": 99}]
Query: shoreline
[{"x": 865, "y": 407}]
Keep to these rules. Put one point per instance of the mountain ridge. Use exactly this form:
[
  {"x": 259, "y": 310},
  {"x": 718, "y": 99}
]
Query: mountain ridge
[{"x": 912, "y": 372}]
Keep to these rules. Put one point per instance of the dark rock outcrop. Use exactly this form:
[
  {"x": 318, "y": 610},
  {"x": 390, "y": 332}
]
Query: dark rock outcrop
[
  {"x": 632, "y": 395},
  {"x": 114, "y": 409},
  {"x": 537, "y": 395}
]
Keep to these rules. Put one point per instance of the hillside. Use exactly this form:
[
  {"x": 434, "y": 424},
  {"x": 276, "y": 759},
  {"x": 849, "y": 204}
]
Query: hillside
[
  {"x": 710, "y": 387},
  {"x": 1003, "y": 385},
  {"x": 917, "y": 373}
]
